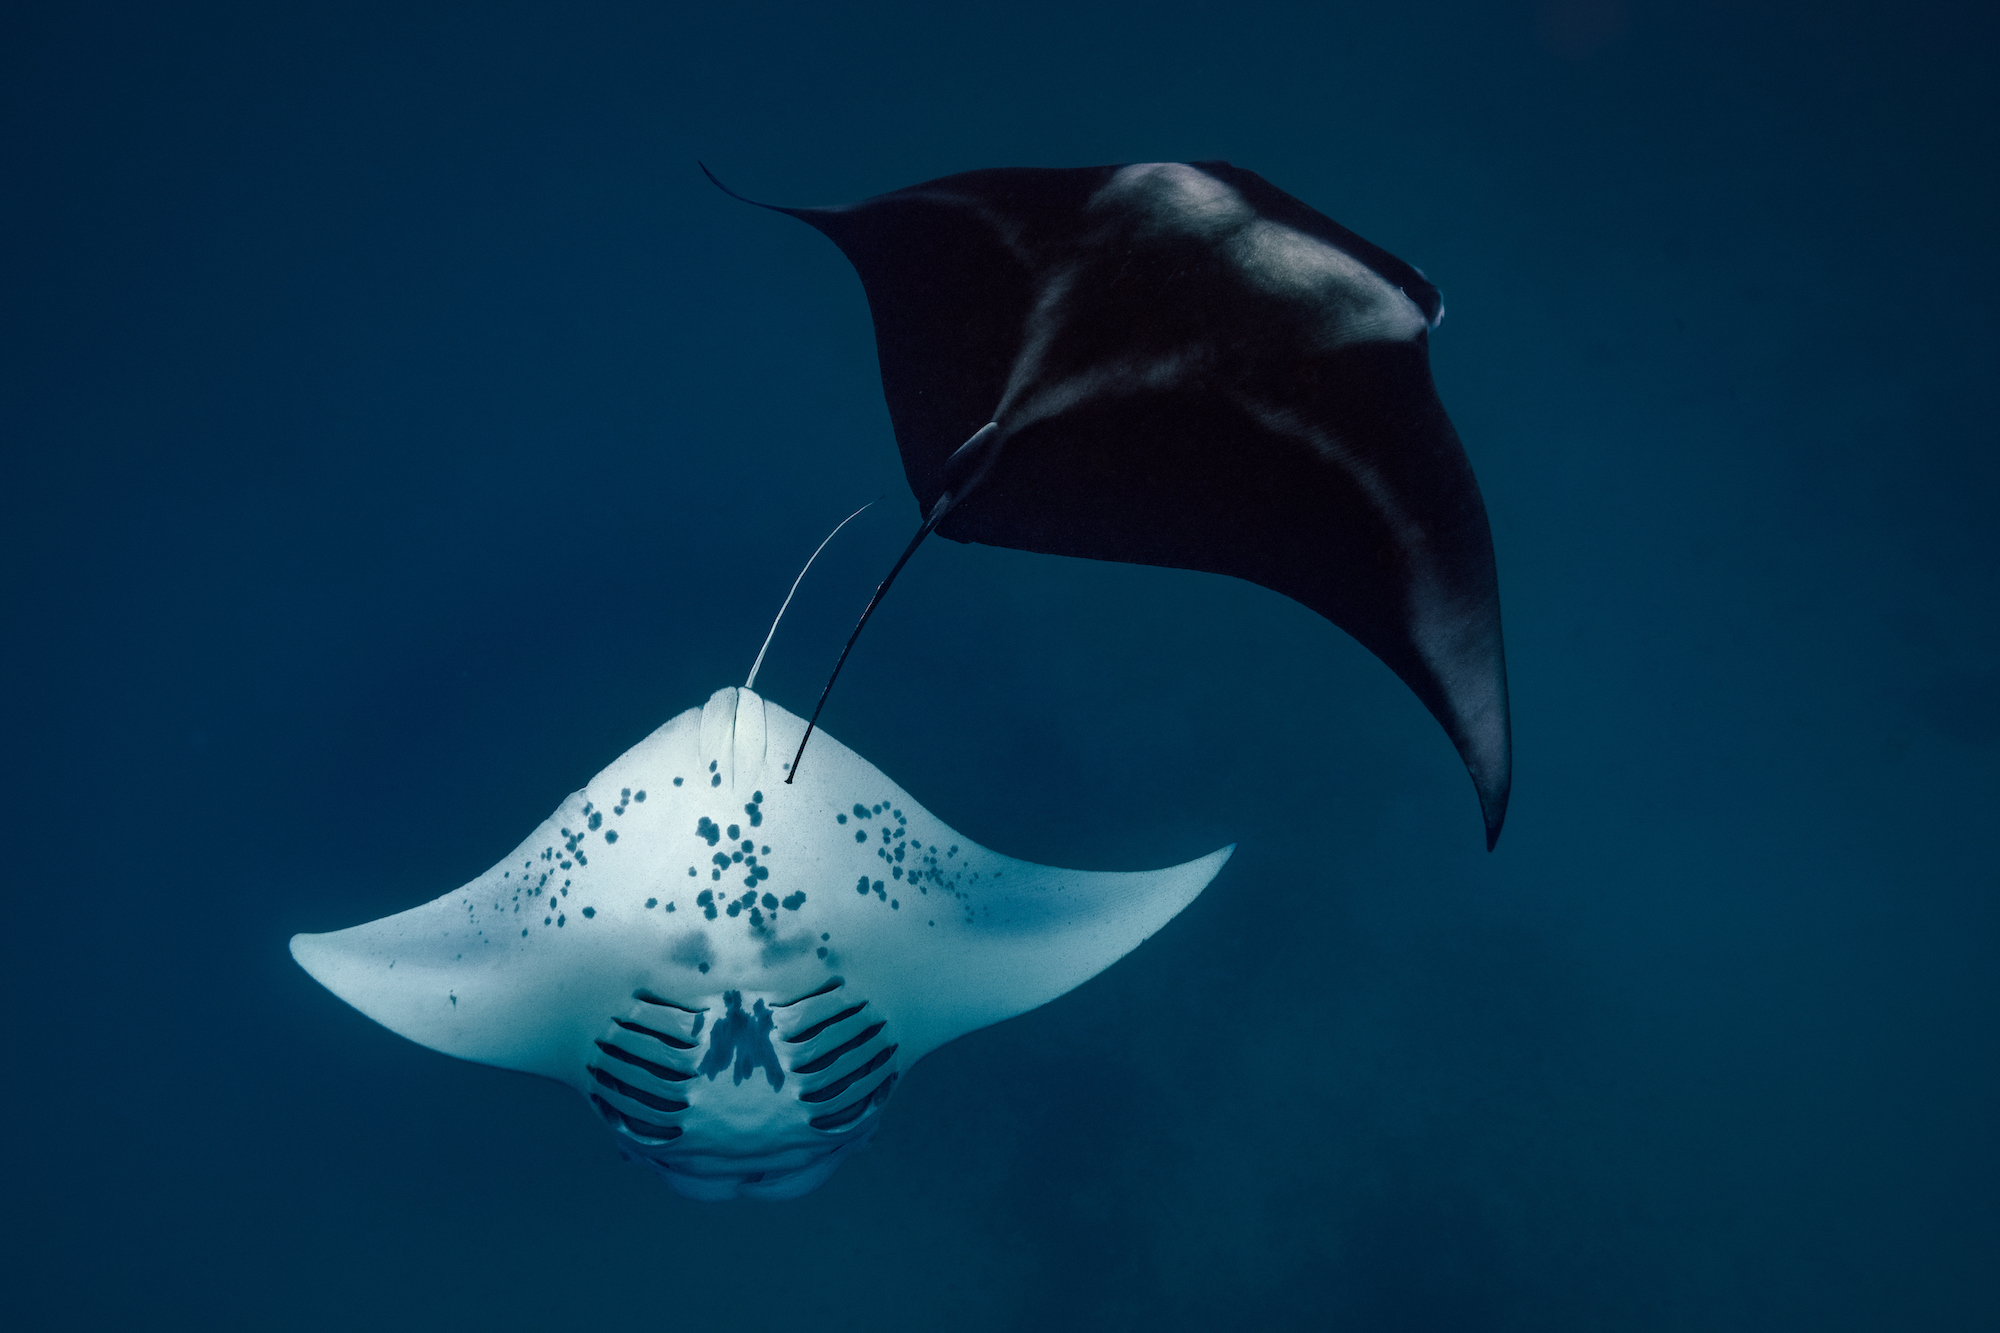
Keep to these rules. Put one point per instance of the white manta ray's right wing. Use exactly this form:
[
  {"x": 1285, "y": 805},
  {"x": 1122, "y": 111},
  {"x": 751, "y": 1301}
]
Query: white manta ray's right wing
[{"x": 1028, "y": 933}]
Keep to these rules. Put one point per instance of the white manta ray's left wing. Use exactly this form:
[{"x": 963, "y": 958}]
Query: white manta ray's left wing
[{"x": 689, "y": 915}]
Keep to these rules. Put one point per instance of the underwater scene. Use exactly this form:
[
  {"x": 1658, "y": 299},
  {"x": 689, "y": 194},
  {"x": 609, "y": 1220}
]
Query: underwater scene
[{"x": 1429, "y": 762}]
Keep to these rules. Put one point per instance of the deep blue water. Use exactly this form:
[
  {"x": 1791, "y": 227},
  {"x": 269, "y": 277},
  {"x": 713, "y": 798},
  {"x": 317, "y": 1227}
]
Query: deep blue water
[{"x": 396, "y": 426}]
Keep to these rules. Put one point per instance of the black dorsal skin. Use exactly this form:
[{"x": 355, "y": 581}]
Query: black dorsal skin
[{"x": 1189, "y": 367}]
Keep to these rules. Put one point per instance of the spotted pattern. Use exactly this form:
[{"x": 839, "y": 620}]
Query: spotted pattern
[
  {"x": 745, "y": 881},
  {"x": 907, "y": 861}
]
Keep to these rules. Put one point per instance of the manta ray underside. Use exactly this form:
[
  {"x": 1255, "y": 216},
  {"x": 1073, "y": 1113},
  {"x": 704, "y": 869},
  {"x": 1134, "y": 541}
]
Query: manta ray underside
[{"x": 733, "y": 970}]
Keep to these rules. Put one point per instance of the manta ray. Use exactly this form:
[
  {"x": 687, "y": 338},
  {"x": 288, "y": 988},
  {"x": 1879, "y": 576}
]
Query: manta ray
[
  {"x": 1177, "y": 363},
  {"x": 736, "y": 971},
  {"x": 735, "y": 957}
]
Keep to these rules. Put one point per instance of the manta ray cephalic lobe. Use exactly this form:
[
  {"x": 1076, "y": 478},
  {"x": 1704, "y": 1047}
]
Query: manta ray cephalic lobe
[{"x": 735, "y": 971}]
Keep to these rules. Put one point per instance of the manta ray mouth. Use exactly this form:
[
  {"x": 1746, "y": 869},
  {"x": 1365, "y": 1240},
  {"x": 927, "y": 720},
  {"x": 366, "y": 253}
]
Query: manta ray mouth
[{"x": 737, "y": 1095}]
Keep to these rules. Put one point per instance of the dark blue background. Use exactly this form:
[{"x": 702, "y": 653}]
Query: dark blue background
[{"x": 396, "y": 427}]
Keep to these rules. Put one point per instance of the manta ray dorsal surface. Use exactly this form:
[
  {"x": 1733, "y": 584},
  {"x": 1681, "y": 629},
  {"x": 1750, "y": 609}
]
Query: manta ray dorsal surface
[
  {"x": 1183, "y": 365},
  {"x": 735, "y": 971}
]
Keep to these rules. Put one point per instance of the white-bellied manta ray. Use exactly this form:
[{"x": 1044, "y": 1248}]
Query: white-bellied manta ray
[
  {"x": 732, "y": 969},
  {"x": 1179, "y": 364}
]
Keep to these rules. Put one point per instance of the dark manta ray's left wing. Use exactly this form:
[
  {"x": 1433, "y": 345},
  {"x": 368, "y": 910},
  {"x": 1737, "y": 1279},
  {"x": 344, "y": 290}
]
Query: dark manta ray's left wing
[{"x": 1182, "y": 365}]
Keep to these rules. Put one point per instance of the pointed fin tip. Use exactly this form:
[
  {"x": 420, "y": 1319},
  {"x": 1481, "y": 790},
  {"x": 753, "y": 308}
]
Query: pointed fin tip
[
  {"x": 716, "y": 181},
  {"x": 322, "y": 960},
  {"x": 1493, "y": 809},
  {"x": 315, "y": 952}
]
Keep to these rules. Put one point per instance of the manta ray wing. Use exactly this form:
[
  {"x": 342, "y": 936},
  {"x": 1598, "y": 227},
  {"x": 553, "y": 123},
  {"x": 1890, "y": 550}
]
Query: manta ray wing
[
  {"x": 736, "y": 971},
  {"x": 1188, "y": 367}
]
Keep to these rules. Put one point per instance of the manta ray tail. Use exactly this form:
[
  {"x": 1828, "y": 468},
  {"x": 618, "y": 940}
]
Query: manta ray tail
[
  {"x": 974, "y": 459},
  {"x": 882, "y": 588},
  {"x": 757, "y": 665}
]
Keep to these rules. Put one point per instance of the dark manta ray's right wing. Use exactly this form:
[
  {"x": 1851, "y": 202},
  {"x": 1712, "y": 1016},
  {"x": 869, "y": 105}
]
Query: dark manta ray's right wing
[{"x": 1186, "y": 366}]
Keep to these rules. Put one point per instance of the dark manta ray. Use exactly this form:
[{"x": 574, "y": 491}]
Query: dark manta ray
[{"x": 1180, "y": 364}]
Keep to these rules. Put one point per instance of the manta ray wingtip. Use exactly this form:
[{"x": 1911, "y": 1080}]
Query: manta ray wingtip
[
  {"x": 716, "y": 181},
  {"x": 1493, "y": 803},
  {"x": 304, "y": 953}
]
